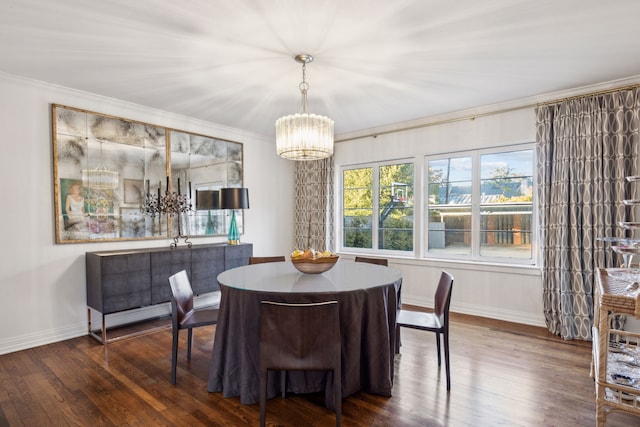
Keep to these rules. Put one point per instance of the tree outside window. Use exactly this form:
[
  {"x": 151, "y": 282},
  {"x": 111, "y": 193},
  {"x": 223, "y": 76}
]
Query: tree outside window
[
  {"x": 392, "y": 229},
  {"x": 357, "y": 211}
]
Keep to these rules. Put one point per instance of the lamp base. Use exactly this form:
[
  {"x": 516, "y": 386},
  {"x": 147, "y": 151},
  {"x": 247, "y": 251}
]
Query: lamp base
[{"x": 234, "y": 236}]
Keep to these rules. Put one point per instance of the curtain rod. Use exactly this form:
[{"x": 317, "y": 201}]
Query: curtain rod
[
  {"x": 439, "y": 122},
  {"x": 584, "y": 95},
  {"x": 491, "y": 113}
]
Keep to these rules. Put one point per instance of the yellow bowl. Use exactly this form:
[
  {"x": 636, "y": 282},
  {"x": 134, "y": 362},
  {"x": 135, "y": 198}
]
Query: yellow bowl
[{"x": 314, "y": 265}]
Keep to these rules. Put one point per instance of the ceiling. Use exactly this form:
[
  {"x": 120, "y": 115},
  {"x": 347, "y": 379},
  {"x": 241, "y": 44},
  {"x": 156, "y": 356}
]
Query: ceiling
[{"x": 376, "y": 62}]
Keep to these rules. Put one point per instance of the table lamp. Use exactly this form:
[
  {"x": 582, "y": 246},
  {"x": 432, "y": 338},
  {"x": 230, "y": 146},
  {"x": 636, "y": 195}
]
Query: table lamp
[
  {"x": 207, "y": 200},
  {"x": 234, "y": 198}
]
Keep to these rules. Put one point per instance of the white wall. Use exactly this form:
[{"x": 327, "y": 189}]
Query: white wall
[
  {"x": 42, "y": 284},
  {"x": 502, "y": 292}
]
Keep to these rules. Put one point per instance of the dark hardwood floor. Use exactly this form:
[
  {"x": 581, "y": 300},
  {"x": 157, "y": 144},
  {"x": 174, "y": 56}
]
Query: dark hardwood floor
[{"x": 502, "y": 375}]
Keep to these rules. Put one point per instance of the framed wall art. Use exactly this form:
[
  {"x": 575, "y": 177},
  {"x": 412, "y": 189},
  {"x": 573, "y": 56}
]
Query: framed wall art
[{"x": 110, "y": 174}]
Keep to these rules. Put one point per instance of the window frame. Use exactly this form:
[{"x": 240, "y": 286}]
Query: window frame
[
  {"x": 476, "y": 205},
  {"x": 375, "y": 191}
]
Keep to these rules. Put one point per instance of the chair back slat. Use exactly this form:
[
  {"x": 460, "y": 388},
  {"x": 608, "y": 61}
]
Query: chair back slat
[
  {"x": 182, "y": 294},
  {"x": 265, "y": 259},
  {"x": 443, "y": 294},
  {"x": 378, "y": 261},
  {"x": 299, "y": 336}
]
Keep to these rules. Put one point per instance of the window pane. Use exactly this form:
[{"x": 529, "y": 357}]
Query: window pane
[
  {"x": 395, "y": 218},
  {"x": 449, "y": 219},
  {"x": 357, "y": 205},
  {"x": 506, "y": 204}
]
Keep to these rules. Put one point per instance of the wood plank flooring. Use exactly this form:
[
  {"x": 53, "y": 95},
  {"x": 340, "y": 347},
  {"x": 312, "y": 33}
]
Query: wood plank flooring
[{"x": 503, "y": 374}]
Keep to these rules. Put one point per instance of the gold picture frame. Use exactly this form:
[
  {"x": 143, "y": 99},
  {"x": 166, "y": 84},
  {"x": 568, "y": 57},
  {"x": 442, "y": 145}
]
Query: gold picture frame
[{"x": 106, "y": 167}]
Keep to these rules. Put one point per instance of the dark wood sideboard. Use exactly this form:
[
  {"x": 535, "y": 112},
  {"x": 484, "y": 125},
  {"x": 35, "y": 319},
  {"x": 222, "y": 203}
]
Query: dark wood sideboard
[{"x": 121, "y": 280}]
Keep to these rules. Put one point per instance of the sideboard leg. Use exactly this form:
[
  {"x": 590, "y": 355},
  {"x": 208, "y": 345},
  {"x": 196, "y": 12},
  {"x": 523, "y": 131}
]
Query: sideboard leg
[{"x": 104, "y": 330}]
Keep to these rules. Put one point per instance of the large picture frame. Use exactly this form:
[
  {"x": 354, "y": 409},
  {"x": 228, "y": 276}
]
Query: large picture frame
[{"x": 107, "y": 169}]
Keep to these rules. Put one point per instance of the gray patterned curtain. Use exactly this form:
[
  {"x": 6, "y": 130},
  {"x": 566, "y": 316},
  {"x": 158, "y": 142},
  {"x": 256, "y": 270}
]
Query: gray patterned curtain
[
  {"x": 314, "y": 224},
  {"x": 586, "y": 147}
]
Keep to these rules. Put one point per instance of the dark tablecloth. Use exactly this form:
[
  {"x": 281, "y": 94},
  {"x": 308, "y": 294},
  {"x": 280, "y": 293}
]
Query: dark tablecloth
[{"x": 368, "y": 332}]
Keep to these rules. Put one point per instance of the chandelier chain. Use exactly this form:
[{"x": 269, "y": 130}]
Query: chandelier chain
[{"x": 304, "y": 87}]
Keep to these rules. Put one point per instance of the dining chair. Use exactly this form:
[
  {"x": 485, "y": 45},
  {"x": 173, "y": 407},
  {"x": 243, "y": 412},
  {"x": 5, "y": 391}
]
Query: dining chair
[
  {"x": 184, "y": 316},
  {"x": 385, "y": 262},
  {"x": 437, "y": 321},
  {"x": 379, "y": 261},
  {"x": 263, "y": 259},
  {"x": 300, "y": 337}
]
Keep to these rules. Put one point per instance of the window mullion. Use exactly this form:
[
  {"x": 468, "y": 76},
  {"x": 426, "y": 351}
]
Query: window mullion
[
  {"x": 375, "y": 200},
  {"x": 475, "y": 207}
]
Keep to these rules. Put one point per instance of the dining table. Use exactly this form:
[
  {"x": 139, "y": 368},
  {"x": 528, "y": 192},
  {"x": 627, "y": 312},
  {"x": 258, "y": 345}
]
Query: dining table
[{"x": 368, "y": 297}]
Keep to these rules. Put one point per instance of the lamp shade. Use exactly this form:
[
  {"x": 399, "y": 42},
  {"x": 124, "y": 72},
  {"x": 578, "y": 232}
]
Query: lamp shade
[
  {"x": 304, "y": 137},
  {"x": 234, "y": 198},
  {"x": 207, "y": 200}
]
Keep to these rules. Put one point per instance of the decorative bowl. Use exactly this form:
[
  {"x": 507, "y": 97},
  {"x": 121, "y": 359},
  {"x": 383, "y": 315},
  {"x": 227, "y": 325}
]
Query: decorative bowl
[{"x": 315, "y": 265}]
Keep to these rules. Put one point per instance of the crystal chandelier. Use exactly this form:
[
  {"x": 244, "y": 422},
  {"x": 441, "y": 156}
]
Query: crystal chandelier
[
  {"x": 304, "y": 136},
  {"x": 100, "y": 178}
]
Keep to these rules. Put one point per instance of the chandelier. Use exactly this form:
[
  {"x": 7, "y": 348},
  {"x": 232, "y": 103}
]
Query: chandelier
[
  {"x": 304, "y": 136},
  {"x": 100, "y": 178}
]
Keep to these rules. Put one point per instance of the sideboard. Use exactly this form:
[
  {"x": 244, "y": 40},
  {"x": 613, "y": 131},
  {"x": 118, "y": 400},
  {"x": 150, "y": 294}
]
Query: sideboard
[{"x": 121, "y": 280}]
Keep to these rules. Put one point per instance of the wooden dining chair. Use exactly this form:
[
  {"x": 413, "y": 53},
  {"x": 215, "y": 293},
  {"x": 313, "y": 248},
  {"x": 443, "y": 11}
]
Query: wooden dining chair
[
  {"x": 300, "y": 337},
  {"x": 379, "y": 261},
  {"x": 437, "y": 322},
  {"x": 263, "y": 259},
  {"x": 184, "y": 316}
]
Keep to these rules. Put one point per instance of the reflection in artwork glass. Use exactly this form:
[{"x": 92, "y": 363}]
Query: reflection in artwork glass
[
  {"x": 74, "y": 220},
  {"x": 132, "y": 223}
]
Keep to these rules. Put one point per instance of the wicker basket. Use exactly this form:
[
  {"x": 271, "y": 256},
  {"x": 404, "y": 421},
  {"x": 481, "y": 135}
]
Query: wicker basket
[{"x": 314, "y": 265}]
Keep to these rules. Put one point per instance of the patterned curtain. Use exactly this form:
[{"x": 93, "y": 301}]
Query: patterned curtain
[
  {"x": 314, "y": 223},
  {"x": 586, "y": 147}
]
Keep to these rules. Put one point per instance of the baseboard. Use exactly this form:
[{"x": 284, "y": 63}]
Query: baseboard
[
  {"x": 37, "y": 339},
  {"x": 489, "y": 312},
  {"x": 49, "y": 336},
  {"x": 126, "y": 317}
]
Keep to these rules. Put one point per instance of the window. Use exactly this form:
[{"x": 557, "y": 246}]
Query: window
[
  {"x": 357, "y": 210},
  {"x": 450, "y": 182},
  {"x": 387, "y": 190},
  {"x": 480, "y": 205}
]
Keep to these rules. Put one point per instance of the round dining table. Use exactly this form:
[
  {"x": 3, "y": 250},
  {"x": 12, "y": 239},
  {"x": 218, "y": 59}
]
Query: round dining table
[{"x": 368, "y": 301}]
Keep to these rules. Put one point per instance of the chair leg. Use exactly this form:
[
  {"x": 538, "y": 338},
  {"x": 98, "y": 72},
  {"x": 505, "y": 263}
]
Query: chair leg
[
  {"x": 446, "y": 359},
  {"x": 189, "y": 338},
  {"x": 283, "y": 382},
  {"x": 263, "y": 396},
  {"x": 337, "y": 395},
  {"x": 174, "y": 355},
  {"x": 438, "y": 347}
]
